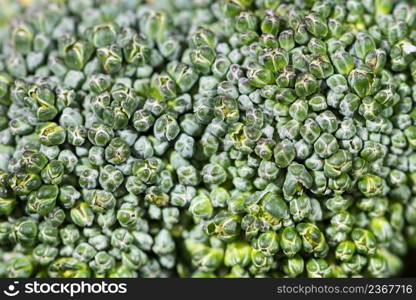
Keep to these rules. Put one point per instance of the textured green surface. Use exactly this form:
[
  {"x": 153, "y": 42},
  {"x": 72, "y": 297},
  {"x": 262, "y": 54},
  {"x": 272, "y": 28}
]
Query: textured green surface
[{"x": 227, "y": 138}]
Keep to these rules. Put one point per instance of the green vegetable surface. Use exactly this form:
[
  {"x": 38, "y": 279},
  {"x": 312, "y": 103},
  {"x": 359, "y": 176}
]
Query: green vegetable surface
[{"x": 208, "y": 138}]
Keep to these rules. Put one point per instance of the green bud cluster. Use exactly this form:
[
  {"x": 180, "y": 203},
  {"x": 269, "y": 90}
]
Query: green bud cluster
[{"x": 210, "y": 138}]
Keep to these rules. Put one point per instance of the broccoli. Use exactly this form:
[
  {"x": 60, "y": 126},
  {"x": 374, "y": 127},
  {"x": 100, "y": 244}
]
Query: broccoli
[{"x": 209, "y": 138}]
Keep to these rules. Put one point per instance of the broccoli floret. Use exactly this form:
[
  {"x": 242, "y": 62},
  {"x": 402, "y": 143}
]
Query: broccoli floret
[{"x": 210, "y": 138}]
